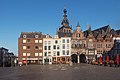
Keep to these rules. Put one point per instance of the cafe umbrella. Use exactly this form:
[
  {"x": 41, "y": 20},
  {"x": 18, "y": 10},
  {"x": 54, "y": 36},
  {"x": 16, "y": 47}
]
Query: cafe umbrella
[
  {"x": 100, "y": 60},
  {"x": 107, "y": 59},
  {"x": 117, "y": 59}
]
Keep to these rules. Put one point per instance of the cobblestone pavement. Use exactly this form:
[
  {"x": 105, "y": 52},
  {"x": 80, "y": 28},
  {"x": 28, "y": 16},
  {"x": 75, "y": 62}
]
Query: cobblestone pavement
[{"x": 60, "y": 72}]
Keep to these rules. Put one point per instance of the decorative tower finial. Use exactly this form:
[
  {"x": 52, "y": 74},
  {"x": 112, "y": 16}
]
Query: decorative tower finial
[
  {"x": 65, "y": 12},
  {"x": 65, "y": 21}
]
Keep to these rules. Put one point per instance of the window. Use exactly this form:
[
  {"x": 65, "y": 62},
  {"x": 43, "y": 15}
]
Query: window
[
  {"x": 56, "y": 41},
  {"x": 45, "y": 54},
  {"x": 45, "y": 47},
  {"x": 36, "y": 36},
  {"x": 67, "y": 46},
  {"x": 58, "y": 53},
  {"x": 24, "y": 47},
  {"x": 49, "y": 47},
  {"x": 90, "y": 45},
  {"x": 28, "y": 47},
  {"x": 40, "y": 54},
  {"x": 67, "y": 52},
  {"x": 58, "y": 47},
  {"x": 40, "y": 48},
  {"x": 63, "y": 52},
  {"x": 40, "y": 41},
  {"x": 24, "y": 41},
  {"x": 78, "y": 35},
  {"x": 108, "y": 45},
  {"x": 28, "y": 54},
  {"x": 36, "y": 41},
  {"x": 54, "y": 53},
  {"x": 24, "y": 36},
  {"x": 63, "y": 46},
  {"x": 28, "y": 40},
  {"x": 54, "y": 46},
  {"x": 49, "y": 53},
  {"x": 99, "y": 45},
  {"x": 24, "y": 54},
  {"x": 67, "y": 40},
  {"x": 63, "y": 40},
  {"x": 36, "y": 47},
  {"x": 36, "y": 54},
  {"x": 45, "y": 42},
  {"x": 49, "y": 42}
]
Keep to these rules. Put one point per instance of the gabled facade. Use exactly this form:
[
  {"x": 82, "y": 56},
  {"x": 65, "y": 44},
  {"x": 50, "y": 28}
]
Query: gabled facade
[
  {"x": 90, "y": 42},
  {"x": 78, "y": 44}
]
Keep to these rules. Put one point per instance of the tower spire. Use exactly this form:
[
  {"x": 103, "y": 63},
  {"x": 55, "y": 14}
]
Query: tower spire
[
  {"x": 65, "y": 21},
  {"x": 78, "y": 25},
  {"x": 65, "y": 12}
]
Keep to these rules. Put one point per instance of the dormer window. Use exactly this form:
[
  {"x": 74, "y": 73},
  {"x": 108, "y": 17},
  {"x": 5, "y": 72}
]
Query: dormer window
[
  {"x": 24, "y": 36},
  {"x": 36, "y": 36}
]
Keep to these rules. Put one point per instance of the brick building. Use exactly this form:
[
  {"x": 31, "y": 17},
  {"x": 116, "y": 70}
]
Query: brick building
[{"x": 30, "y": 48}]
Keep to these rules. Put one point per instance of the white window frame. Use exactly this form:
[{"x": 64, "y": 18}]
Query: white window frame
[
  {"x": 40, "y": 41},
  {"x": 28, "y": 54},
  {"x": 40, "y": 54},
  {"x": 36, "y": 54},
  {"x": 24, "y": 47},
  {"x": 24, "y": 41},
  {"x": 36, "y": 41},
  {"x": 24, "y": 54}
]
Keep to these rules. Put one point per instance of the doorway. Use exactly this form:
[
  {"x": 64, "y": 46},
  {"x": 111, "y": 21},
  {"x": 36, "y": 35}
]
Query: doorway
[
  {"x": 74, "y": 58},
  {"x": 82, "y": 58}
]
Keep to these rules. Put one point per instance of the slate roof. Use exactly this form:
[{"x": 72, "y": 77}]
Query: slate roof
[
  {"x": 96, "y": 31},
  {"x": 118, "y": 32},
  {"x": 103, "y": 28},
  {"x": 31, "y": 34},
  {"x": 113, "y": 32}
]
